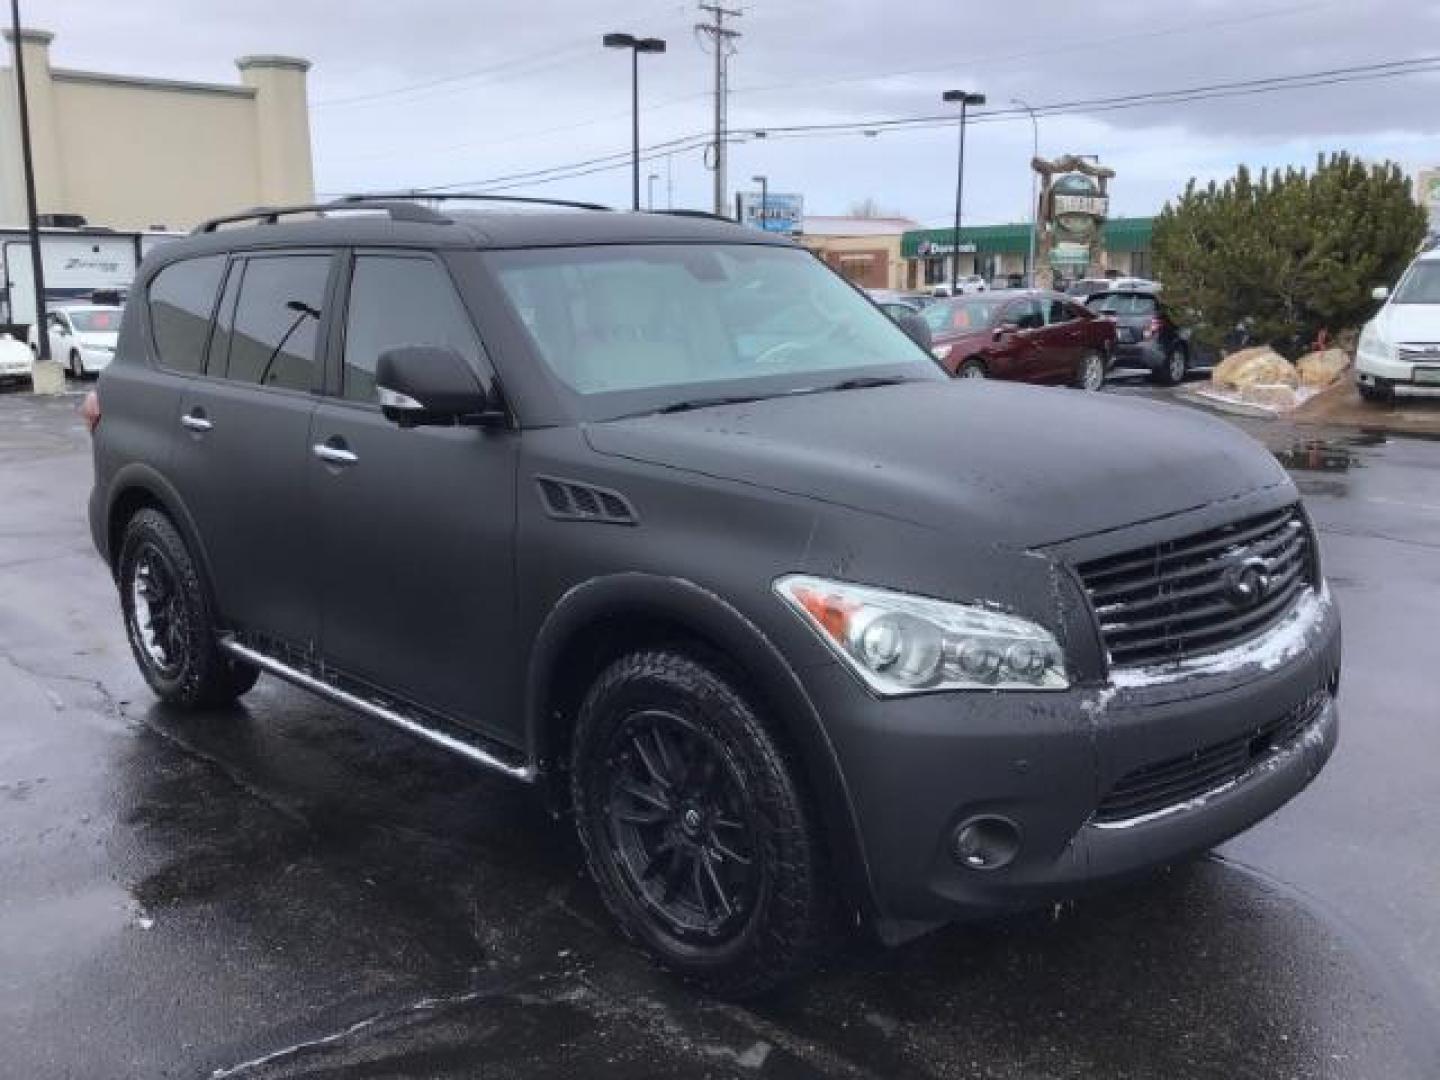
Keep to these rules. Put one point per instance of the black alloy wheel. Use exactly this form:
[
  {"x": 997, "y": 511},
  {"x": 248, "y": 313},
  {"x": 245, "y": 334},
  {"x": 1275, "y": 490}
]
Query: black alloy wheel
[
  {"x": 678, "y": 825},
  {"x": 695, "y": 830},
  {"x": 169, "y": 619}
]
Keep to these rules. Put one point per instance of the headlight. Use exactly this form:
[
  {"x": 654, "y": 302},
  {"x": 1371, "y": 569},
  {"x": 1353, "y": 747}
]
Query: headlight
[
  {"x": 904, "y": 644},
  {"x": 1373, "y": 346},
  {"x": 940, "y": 352}
]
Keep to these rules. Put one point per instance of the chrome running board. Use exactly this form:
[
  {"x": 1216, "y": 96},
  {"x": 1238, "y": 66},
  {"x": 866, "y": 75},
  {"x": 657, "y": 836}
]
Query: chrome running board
[{"x": 376, "y": 710}]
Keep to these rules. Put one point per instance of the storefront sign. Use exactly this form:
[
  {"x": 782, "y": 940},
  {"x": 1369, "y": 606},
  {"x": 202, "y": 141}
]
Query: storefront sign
[
  {"x": 782, "y": 213},
  {"x": 929, "y": 249}
]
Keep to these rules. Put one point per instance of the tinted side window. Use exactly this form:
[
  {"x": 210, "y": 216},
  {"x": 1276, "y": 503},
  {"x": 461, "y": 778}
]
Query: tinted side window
[
  {"x": 397, "y": 301},
  {"x": 276, "y": 321},
  {"x": 1057, "y": 311},
  {"x": 1026, "y": 315},
  {"x": 181, "y": 298}
]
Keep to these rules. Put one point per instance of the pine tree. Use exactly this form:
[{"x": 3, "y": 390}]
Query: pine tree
[{"x": 1288, "y": 253}]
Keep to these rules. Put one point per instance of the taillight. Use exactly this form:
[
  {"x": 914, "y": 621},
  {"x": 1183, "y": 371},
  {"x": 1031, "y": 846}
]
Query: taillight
[
  {"x": 90, "y": 411},
  {"x": 1153, "y": 330}
]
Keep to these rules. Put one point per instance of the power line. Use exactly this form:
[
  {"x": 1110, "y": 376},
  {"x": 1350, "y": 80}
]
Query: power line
[
  {"x": 547, "y": 59},
  {"x": 1246, "y": 87}
]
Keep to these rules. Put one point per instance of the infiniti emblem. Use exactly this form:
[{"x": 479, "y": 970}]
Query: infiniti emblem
[{"x": 1246, "y": 583}]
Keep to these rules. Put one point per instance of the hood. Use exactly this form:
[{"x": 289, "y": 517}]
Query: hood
[
  {"x": 1409, "y": 322},
  {"x": 1001, "y": 463}
]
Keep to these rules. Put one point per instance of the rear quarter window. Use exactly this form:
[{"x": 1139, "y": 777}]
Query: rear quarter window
[{"x": 181, "y": 299}]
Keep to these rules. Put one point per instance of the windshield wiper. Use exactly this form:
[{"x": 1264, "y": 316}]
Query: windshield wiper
[
  {"x": 708, "y": 402},
  {"x": 864, "y": 382}
]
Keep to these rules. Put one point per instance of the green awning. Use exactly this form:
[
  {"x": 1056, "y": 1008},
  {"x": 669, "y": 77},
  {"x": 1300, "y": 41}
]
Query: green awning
[{"x": 1121, "y": 234}]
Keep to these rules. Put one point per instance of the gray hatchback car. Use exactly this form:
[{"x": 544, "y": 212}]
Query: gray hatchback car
[{"x": 660, "y": 515}]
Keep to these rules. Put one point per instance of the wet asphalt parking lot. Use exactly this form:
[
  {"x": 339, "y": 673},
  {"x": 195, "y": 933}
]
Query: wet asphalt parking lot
[{"x": 286, "y": 889}]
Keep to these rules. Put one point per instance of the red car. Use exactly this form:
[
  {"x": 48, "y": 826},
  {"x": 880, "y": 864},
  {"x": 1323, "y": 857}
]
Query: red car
[{"x": 1029, "y": 335}]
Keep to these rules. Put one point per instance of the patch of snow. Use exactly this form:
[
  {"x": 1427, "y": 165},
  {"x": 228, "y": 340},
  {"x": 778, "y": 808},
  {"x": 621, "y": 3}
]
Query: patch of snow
[
  {"x": 1276, "y": 647},
  {"x": 1096, "y": 705}
]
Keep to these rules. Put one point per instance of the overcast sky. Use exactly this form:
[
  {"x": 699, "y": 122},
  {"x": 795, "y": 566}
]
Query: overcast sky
[{"x": 519, "y": 86}]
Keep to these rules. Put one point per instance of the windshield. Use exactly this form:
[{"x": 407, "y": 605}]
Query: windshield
[
  {"x": 95, "y": 320},
  {"x": 951, "y": 316},
  {"x": 1122, "y": 303},
  {"x": 658, "y": 324},
  {"x": 1421, "y": 285}
]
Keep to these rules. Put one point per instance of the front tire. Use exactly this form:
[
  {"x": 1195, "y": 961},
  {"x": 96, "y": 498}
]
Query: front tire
[
  {"x": 972, "y": 369},
  {"x": 77, "y": 365},
  {"x": 694, "y": 828},
  {"x": 169, "y": 619},
  {"x": 1376, "y": 395}
]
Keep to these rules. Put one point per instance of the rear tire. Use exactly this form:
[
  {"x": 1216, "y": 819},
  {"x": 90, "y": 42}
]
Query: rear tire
[
  {"x": 170, "y": 620},
  {"x": 695, "y": 830},
  {"x": 1176, "y": 364},
  {"x": 1090, "y": 372},
  {"x": 972, "y": 369}
]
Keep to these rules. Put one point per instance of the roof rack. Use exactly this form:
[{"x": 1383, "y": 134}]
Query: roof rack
[
  {"x": 398, "y": 209},
  {"x": 694, "y": 214},
  {"x": 463, "y": 196}
]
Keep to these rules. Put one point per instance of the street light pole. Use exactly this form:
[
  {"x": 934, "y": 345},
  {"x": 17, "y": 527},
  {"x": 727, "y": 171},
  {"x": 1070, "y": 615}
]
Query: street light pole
[
  {"x": 37, "y": 262},
  {"x": 636, "y": 47},
  {"x": 966, "y": 99},
  {"x": 650, "y": 190},
  {"x": 1034, "y": 197},
  {"x": 764, "y": 182}
]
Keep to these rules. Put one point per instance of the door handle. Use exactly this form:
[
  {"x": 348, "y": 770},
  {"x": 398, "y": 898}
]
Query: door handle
[
  {"x": 334, "y": 455},
  {"x": 196, "y": 422}
]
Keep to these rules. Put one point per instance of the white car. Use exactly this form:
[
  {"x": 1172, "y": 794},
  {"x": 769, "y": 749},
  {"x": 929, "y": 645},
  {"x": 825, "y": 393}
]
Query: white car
[
  {"x": 967, "y": 283},
  {"x": 82, "y": 337},
  {"x": 1400, "y": 346},
  {"x": 15, "y": 358}
]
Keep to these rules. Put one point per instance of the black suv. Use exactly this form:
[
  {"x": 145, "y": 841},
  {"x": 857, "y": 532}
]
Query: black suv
[
  {"x": 659, "y": 514},
  {"x": 1147, "y": 334}
]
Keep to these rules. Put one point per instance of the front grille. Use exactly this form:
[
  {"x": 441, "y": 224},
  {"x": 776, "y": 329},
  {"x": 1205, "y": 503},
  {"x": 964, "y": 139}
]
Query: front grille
[
  {"x": 1201, "y": 593},
  {"x": 1419, "y": 352},
  {"x": 1173, "y": 782}
]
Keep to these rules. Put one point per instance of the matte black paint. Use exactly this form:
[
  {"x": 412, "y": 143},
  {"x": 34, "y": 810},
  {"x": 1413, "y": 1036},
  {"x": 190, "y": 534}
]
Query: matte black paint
[{"x": 432, "y": 568}]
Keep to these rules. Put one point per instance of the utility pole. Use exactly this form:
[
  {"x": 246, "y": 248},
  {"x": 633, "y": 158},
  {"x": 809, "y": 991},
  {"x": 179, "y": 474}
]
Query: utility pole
[
  {"x": 722, "y": 41},
  {"x": 42, "y": 332},
  {"x": 1034, "y": 197}
]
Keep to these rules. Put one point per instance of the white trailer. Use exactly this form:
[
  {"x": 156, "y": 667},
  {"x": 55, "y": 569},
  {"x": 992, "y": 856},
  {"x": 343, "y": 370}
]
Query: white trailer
[{"x": 78, "y": 263}]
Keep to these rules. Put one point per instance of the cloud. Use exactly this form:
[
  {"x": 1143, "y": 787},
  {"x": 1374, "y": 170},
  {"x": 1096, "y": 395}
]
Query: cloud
[{"x": 519, "y": 86}]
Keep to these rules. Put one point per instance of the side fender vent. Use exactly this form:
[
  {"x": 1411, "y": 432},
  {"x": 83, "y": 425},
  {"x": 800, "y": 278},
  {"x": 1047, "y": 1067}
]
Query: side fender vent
[{"x": 570, "y": 500}]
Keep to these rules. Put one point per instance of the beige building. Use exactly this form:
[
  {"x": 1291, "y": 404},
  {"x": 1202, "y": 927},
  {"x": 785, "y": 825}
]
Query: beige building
[
  {"x": 134, "y": 152},
  {"x": 864, "y": 250}
]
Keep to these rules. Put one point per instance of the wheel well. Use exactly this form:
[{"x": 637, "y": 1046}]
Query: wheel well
[
  {"x": 975, "y": 358},
  {"x": 126, "y": 505},
  {"x": 595, "y": 647}
]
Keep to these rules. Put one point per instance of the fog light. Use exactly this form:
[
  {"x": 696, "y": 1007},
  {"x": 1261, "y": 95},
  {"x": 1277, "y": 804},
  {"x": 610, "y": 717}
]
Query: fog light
[{"x": 986, "y": 843}]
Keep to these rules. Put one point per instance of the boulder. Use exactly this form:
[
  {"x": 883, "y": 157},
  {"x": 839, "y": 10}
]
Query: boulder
[
  {"x": 1258, "y": 366},
  {"x": 1320, "y": 369}
]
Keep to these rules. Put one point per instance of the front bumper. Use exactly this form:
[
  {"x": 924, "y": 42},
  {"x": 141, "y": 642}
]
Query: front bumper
[{"x": 916, "y": 768}]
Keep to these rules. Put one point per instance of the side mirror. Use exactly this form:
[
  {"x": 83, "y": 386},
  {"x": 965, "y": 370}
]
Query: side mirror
[
  {"x": 916, "y": 328},
  {"x": 1005, "y": 329},
  {"x": 1380, "y": 292},
  {"x": 429, "y": 385}
]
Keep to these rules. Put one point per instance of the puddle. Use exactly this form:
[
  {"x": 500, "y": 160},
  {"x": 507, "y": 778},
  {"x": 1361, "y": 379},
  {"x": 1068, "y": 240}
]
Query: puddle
[{"x": 1327, "y": 455}]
